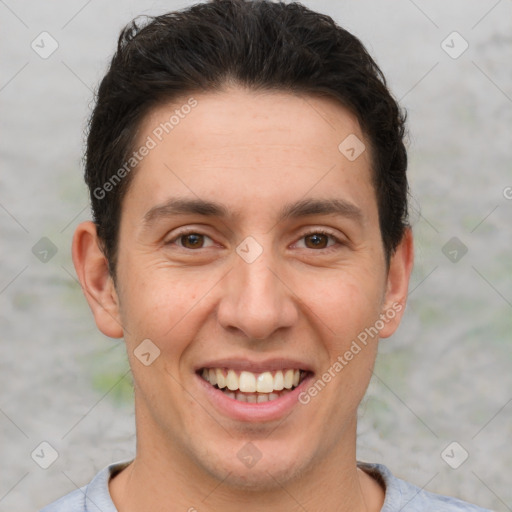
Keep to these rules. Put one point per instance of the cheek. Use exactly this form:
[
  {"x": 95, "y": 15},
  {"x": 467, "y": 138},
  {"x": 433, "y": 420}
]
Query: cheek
[
  {"x": 345, "y": 308},
  {"x": 164, "y": 305},
  {"x": 342, "y": 302}
]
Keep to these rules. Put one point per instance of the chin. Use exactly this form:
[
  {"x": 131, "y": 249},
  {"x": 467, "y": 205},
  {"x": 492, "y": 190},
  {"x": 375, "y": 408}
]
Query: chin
[
  {"x": 265, "y": 478},
  {"x": 251, "y": 469}
]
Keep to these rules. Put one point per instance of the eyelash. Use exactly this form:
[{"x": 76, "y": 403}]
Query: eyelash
[{"x": 309, "y": 233}]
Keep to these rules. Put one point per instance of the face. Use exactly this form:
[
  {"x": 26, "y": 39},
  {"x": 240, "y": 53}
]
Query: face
[{"x": 250, "y": 256}]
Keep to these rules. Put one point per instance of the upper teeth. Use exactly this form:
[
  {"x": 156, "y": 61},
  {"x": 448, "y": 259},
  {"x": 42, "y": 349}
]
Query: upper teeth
[{"x": 249, "y": 382}]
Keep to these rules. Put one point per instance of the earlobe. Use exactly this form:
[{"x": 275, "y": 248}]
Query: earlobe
[
  {"x": 399, "y": 273},
  {"x": 92, "y": 269}
]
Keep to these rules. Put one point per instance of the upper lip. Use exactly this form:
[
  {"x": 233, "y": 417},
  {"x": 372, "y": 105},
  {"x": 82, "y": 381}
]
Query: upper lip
[{"x": 267, "y": 365}]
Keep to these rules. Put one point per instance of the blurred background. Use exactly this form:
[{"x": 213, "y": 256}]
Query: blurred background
[{"x": 438, "y": 411}]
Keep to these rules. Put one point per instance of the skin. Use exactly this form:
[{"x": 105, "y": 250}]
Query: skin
[{"x": 253, "y": 152}]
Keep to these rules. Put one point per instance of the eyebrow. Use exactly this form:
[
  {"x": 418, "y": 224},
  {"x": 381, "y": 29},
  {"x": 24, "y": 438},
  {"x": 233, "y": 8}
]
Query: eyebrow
[{"x": 302, "y": 208}]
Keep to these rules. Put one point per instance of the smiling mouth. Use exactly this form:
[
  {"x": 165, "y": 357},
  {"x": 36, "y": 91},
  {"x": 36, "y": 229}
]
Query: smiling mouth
[{"x": 252, "y": 387}]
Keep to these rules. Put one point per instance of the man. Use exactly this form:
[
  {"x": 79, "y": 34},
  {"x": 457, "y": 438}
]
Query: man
[{"x": 250, "y": 244}]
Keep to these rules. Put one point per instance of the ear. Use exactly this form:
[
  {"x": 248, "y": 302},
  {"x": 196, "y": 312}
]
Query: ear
[
  {"x": 97, "y": 284},
  {"x": 400, "y": 268}
]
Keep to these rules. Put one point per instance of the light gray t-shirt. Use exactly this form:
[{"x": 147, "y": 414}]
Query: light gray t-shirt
[{"x": 400, "y": 495}]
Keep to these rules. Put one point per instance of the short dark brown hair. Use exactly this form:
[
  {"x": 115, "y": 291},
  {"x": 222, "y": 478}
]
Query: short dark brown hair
[{"x": 259, "y": 44}]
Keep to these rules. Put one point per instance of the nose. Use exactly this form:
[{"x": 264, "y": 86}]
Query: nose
[{"x": 257, "y": 300}]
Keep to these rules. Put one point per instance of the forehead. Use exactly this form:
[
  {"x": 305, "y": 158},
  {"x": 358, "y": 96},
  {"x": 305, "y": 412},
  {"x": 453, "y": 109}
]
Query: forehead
[
  {"x": 240, "y": 144},
  {"x": 249, "y": 117}
]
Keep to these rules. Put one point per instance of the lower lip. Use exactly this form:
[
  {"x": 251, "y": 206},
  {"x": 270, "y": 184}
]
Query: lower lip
[{"x": 246, "y": 411}]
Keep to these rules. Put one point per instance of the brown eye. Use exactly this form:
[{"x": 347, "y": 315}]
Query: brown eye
[
  {"x": 192, "y": 240},
  {"x": 316, "y": 241},
  {"x": 320, "y": 240}
]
